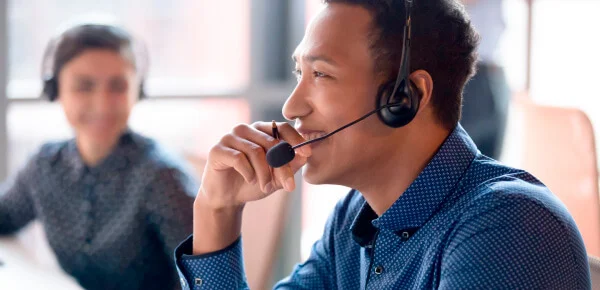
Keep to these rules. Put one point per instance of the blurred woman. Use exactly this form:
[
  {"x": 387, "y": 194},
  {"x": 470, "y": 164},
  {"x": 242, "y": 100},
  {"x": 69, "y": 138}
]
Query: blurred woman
[{"x": 113, "y": 203}]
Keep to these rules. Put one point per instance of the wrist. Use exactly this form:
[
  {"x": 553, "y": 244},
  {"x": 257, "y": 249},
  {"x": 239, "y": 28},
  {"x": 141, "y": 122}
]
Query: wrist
[{"x": 215, "y": 227}]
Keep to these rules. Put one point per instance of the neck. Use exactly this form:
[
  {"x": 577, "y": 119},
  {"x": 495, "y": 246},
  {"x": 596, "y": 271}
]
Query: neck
[
  {"x": 394, "y": 172},
  {"x": 93, "y": 153}
]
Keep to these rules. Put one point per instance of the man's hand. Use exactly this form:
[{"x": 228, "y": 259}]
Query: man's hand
[{"x": 237, "y": 172}]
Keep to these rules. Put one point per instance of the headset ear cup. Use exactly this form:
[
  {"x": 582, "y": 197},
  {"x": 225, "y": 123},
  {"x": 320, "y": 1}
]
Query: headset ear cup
[
  {"x": 142, "y": 92},
  {"x": 405, "y": 110},
  {"x": 50, "y": 90}
]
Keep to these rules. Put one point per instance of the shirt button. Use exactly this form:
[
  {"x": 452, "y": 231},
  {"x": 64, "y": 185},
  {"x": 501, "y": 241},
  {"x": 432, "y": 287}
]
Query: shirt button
[
  {"x": 405, "y": 235},
  {"x": 198, "y": 282},
  {"x": 378, "y": 270}
]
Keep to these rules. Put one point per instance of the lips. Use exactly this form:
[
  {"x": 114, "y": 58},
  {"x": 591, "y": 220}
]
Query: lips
[
  {"x": 101, "y": 123},
  {"x": 312, "y": 135}
]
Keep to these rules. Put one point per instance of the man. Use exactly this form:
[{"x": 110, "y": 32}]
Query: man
[{"x": 427, "y": 210}]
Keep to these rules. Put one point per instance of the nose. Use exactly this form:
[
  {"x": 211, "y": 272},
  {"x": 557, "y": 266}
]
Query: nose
[
  {"x": 103, "y": 101},
  {"x": 298, "y": 103}
]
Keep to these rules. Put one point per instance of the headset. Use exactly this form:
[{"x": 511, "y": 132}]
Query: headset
[
  {"x": 50, "y": 72},
  {"x": 398, "y": 100}
]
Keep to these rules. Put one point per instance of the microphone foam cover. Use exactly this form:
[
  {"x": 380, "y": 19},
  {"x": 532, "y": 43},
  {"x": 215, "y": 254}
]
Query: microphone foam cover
[{"x": 280, "y": 154}]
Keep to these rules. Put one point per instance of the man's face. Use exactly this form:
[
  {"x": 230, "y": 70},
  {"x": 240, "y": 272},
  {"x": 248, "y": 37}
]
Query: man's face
[{"x": 336, "y": 85}]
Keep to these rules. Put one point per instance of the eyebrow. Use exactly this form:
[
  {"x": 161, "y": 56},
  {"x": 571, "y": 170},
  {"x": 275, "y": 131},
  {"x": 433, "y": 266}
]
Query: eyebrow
[
  {"x": 83, "y": 77},
  {"x": 313, "y": 58}
]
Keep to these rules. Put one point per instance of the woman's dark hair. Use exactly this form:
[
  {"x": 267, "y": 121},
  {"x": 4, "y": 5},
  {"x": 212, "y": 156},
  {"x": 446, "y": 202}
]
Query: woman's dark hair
[
  {"x": 443, "y": 44},
  {"x": 75, "y": 40}
]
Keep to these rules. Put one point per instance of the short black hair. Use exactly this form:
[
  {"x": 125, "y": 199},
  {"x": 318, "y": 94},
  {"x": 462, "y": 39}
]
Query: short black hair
[
  {"x": 443, "y": 43},
  {"x": 80, "y": 38}
]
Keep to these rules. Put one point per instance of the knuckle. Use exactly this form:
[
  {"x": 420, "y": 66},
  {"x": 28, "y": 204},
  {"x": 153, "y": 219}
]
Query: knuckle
[
  {"x": 227, "y": 138},
  {"x": 237, "y": 157},
  {"x": 256, "y": 124},
  {"x": 213, "y": 150},
  {"x": 256, "y": 150},
  {"x": 240, "y": 129}
]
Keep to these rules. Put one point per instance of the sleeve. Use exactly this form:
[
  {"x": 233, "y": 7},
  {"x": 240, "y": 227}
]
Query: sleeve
[
  {"x": 224, "y": 269},
  {"x": 170, "y": 206},
  {"x": 515, "y": 243},
  {"x": 16, "y": 205}
]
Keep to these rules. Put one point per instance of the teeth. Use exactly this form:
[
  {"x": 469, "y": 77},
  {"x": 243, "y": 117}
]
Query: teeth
[{"x": 312, "y": 136}]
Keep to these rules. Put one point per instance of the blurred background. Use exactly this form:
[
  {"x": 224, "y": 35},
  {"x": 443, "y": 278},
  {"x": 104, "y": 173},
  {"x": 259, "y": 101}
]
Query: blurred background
[{"x": 218, "y": 63}]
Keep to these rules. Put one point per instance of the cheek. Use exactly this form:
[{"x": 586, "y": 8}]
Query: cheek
[
  {"x": 123, "y": 103},
  {"x": 129, "y": 104},
  {"x": 123, "y": 108},
  {"x": 74, "y": 108},
  {"x": 340, "y": 111}
]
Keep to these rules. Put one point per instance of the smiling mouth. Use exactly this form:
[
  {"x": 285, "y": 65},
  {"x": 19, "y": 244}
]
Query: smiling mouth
[{"x": 313, "y": 136}]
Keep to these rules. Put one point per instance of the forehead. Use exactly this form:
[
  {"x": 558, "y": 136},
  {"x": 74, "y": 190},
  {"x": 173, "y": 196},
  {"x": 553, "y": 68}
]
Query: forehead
[
  {"x": 98, "y": 61},
  {"x": 339, "y": 32}
]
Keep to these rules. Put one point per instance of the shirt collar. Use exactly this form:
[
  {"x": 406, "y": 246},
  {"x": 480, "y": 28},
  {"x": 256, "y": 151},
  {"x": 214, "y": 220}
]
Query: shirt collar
[
  {"x": 115, "y": 160},
  {"x": 425, "y": 196}
]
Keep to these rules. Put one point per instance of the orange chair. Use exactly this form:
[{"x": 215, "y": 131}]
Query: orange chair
[{"x": 559, "y": 149}]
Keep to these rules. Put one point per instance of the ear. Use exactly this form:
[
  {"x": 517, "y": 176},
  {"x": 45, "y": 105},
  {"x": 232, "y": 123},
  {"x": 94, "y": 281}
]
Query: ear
[{"x": 423, "y": 85}]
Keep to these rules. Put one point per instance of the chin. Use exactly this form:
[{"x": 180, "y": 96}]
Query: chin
[
  {"x": 311, "y": 174},
  {"x": 104, "y": 135},
  {"x": 325, "y": 173},
  {"x": 316, "y": 175}
]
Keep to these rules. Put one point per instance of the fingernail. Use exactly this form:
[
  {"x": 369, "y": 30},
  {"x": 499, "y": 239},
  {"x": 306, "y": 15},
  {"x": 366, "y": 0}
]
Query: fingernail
[
  {"x": 269, "y": 187},
  {"x": 289, "y": 184}
]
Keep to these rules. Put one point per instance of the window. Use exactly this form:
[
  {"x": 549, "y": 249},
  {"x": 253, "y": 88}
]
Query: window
[
  {"x": 565, "y": 57},
  {"x": 513, "y": 44},
  {"x": 196, "y": 46}
]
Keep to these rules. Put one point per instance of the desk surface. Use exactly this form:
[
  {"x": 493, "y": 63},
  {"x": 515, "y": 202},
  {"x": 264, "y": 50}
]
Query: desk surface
[{"x": 19, "y": 269}]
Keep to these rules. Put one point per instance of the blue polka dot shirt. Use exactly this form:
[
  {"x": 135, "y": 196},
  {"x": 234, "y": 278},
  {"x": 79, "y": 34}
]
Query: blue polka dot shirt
[
  {"x": 111, "y": 226},
  {"x": 466, "y": 222}
]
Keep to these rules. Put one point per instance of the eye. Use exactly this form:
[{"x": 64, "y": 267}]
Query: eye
[
  {"x": 84, "y": 86},
  {"x": 319, "y": 74},
  {"x": 118, "y": 86}
]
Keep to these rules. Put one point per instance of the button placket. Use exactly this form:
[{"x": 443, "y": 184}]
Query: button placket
[{"x": 90, "y": 181}]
